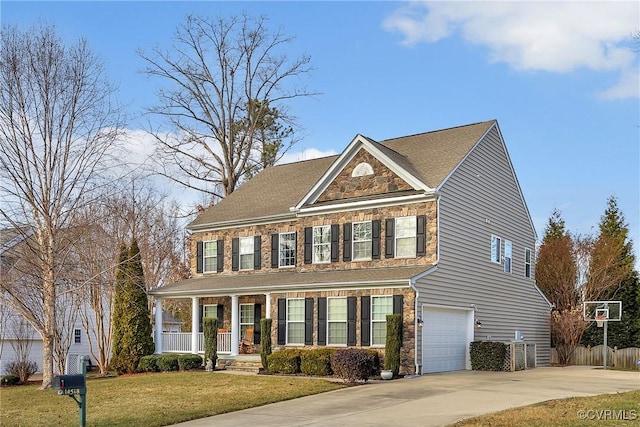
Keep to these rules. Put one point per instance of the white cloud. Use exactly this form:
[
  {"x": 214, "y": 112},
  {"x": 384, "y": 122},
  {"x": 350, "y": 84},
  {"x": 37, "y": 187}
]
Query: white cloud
[
  {"x": 544, "y": 36},
  {"x": 306, "y": 154}
]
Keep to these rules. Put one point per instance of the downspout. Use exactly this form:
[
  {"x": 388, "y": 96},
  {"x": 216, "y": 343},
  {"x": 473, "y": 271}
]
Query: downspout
[{"x": 416, "y": 328}]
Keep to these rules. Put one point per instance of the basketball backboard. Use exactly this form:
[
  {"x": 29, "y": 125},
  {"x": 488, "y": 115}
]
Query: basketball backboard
[{"x": 602, "y": 310}]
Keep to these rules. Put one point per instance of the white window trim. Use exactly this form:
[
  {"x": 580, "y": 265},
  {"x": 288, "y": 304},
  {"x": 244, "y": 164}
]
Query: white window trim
[
  {"x": 345, "y": 321},
  {"x": 295, "y": 250},
  {"x": 509, "y": 257},
  {"x": 396, "y": 238},
  {"x": 204, "y": 311},
  {"x": 294, "y": 321},
  {"x": 527, "y": 263},
  {"x": 377, "y": 321},
  {"x": 353, "y": 241},
  {"x": 252, "y": 324},
  {"x": 240, "y": 253},
  {"x": 498, "y": 259},
  {"x": 313, "y": 245},
  {"x": 204, "y": 257}
]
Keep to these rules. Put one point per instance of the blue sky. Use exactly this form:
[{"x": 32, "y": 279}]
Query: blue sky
[{"x": 561, "y": 78}]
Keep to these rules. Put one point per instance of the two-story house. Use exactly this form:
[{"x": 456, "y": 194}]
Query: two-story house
[{"x": 433, "y": 226}]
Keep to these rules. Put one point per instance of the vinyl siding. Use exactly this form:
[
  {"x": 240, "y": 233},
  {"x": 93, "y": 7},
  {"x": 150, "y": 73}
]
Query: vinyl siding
[{"x": 480, "y": 199}]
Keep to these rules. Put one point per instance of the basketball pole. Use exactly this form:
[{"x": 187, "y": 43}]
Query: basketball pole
[{"x": 605, "y": 348}]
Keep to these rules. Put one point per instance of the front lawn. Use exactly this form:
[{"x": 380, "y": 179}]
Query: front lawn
[
  {"x": 153, "y": 399},
  {"x": 621, "y": 409}
]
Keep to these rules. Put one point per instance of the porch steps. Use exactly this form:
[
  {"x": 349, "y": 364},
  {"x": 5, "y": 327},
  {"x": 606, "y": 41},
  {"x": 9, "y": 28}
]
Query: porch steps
[{"x": 242, "y": 362}]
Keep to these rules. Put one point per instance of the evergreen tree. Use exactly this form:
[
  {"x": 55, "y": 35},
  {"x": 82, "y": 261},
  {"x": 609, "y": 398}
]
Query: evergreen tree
[
  {"x": 625, "y": 333},
  {"x": 117, "y": 318},
  {"x": 134, "y": 317}
]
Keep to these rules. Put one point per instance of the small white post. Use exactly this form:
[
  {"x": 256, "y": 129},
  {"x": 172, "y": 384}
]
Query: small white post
[
  {"x": 195, "y": 324},
  {"x": 267, "y": 309},
  {"x": 158, "y": 315},
  {"x": 235, "y": 326}
]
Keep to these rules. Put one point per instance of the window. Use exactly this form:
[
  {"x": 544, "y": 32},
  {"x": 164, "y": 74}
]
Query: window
[
  {"x": 246, "y": 318},
  {"x": 405, "y": 234},
  {"x": 77, "y": 336},
  {"x": 380, "y": 307},
  {"x": 527, "y": 263},
  {"x": 295, "y": 321},
  {"x": 210, "y": 310},
  {"x": 287, "y": 250},
  {"x": 246, "y": 253},
  {"x": 362, "y": 241},
  {"x": 337, "y": 321},
  {"x": 210, "y": 256},
  {"x": 495, "y": 249},
  {"x": 322, "y": 244},
  {"x": 507, "y": 256}
]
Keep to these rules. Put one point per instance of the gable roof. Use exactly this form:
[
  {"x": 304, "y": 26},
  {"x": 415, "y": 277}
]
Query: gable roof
[{"x": 427, "y": 157}]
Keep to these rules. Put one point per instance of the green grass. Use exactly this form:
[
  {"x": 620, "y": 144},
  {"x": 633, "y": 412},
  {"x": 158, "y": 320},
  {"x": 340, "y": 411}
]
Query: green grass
[
  {"x": 153, "y": 399},
  {"x": 621, "y": 409}
]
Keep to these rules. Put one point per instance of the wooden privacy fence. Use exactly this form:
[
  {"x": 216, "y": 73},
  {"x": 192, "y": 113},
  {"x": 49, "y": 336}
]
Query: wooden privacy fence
[{"x": 626, "y": 358}]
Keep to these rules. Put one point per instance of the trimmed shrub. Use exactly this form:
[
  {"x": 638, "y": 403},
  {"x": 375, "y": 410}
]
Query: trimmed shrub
[
  {"x": 284, "y": 362},
  {"x": 487, "y": 355},
  {"x": 187, "y": 362},
  {"x": 167, "y": 362},
  {"x": 376, "y": 362},
  {"x": 352, "y": 364},
  {"x": 316, "y": 362},
  {"x": 210, "y": 331},
  {"x": 10, "y": 380},
  {"x": 265, "y": 342},
  {"x": 22, "y": 369},
  {"x": 393, "y": 343},
  {"x": 149, "y": 363}
]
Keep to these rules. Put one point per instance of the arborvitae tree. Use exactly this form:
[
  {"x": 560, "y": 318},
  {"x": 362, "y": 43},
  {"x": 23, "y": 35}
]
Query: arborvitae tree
[
  {"x": 265, "y": 342},
  {"x": 119, "y": 325},
  {"x": 210, "y": 330},
  {"x": 625, "y": 333},
  {"x": 393, "y": 343},
  {"x": 136, "y": 341}
]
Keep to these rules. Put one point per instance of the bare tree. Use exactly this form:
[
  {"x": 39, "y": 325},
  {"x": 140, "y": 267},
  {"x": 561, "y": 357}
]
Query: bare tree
[
  {"x": 227, "y": 85},
  {"x": 22, "y": 335},
  {"x": 57, "y": 129}
]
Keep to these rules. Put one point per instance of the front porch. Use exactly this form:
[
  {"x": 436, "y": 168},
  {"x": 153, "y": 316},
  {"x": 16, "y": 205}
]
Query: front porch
[{"x": 182, "y": 342}]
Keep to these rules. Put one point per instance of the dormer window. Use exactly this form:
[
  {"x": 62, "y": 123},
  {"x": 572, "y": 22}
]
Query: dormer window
[{"x": 362, "y": 169}]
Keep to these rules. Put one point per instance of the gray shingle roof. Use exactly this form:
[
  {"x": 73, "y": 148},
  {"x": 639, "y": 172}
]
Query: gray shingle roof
[
  {"x": 223, "y": 285},
  {"x": 430, "y": 156}
]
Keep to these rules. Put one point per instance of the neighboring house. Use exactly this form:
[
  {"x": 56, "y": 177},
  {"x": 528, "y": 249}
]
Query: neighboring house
[
  {"x": 433, "y": 226},
  {"x": 15, "y": 332},
  {"x": 170, "y": 323}
]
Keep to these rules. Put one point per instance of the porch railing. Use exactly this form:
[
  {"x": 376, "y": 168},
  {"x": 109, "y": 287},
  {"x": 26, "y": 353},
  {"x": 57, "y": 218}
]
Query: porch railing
[{"x": 180, "y": 342}]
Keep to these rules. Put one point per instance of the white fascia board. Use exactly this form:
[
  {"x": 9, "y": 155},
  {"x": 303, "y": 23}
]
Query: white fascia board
[
  {"x": 362, "y": 204},
  {"x": 347, "y": 155}
]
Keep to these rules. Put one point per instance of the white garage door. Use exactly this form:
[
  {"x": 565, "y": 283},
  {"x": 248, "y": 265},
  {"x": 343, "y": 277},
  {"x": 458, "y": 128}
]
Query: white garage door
[{"x": 444, "y": 339}]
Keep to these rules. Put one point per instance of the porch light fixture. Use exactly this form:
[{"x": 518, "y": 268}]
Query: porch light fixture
[
  {"x": 478, "y": 324},
  {"x": 420, "y": 322}
]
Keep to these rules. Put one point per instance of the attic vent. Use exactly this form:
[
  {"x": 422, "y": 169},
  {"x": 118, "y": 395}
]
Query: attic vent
[{"x": 362, "y": 169}]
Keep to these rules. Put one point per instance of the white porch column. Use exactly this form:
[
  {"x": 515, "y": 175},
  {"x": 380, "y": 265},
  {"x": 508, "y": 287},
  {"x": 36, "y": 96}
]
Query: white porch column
[
  {"x": 235, "y": 325},
  {"x": 158, "y": 314},
  {"x": 267, "y": 309},
  {"x": 195, "y": 324}
]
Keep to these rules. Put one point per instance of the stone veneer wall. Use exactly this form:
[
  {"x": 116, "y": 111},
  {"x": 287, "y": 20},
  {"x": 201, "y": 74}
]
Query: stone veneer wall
[
  {"x": 424, "y": 208},
  {"x": 383, "y": 180},
  {"x": 407, "y": 353}
]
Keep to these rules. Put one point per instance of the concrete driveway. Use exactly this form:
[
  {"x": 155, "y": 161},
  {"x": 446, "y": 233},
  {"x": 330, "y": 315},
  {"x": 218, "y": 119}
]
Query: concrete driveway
[{"x": 430, "y": 400}]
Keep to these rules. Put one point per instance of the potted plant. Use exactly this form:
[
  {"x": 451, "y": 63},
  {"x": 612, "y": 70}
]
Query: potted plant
[{"x": 392, "y": 346}]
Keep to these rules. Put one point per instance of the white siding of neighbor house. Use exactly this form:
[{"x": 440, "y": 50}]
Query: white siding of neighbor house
[{"x": 480, "y": 199}]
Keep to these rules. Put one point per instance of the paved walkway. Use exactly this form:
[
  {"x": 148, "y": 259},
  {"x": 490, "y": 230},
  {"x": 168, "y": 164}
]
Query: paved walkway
[{"x": 430, "y": 400}]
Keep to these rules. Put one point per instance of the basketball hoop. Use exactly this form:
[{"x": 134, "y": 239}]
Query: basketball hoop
[{"x": 600, "y": 320}]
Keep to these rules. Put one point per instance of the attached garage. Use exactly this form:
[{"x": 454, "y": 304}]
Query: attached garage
[{"x": 446, "y": 334}]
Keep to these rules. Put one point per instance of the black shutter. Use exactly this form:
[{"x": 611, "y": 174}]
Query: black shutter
[
  {"x": 346, "y": 239},
  {"x": 335, "y": 243},
  {"x": 220, "y": 260},
  {"x": 257, "y": 315},
  {"x": 275, "y": 240},
  {"x": 375, "y": 239},
  {"x": 351, "y": 320},
  {"x": 257, "y": 246},
  {"x": 308, "y": 321},
  {"x": 295, "y": 248},
  {"x": 201, "y": 311},
  {"x": 282, "y": 321},
  {"x": 397, "y": 304},
  {"x": 220, "y": 314},
  {"x": 421, "y": 235},
  {"x": 322, "y": 321},
  {"x": 308, "y": 245},
  {"x": 235, "y": 254},
  {"x": 199, "y": 257},
  {"x": 365, "y": 319},
  {"x": 389, "y": 232}
]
